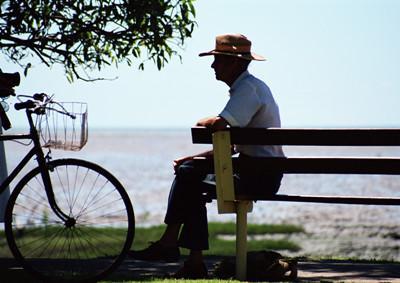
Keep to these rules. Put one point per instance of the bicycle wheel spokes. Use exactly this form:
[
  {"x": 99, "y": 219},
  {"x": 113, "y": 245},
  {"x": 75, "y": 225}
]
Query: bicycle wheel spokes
[{"x": 87, "y": 246}]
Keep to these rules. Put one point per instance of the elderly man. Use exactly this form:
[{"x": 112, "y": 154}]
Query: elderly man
[{"x": 250, "y": 104}]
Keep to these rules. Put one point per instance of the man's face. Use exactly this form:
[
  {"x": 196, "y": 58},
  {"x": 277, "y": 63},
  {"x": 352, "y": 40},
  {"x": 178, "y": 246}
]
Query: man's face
[{"x": 223, "y": 66}]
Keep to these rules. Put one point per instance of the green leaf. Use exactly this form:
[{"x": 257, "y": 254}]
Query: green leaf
[
  {"x": 159, "y": 63},
  {"x": 26, "y": 69},
  {"x": 84, "y": 35}
]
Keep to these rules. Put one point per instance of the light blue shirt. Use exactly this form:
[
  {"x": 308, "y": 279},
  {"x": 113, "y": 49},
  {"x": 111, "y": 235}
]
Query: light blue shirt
[{"x": 252, "y": 105}]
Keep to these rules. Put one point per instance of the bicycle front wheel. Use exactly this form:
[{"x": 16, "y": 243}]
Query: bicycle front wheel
[{"x": 87, "y": 247}]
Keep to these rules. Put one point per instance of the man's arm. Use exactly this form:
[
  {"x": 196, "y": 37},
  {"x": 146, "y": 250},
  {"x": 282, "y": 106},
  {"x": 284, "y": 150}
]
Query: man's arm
[
  {"x": 214, "y": 122},
  {"x": 177, "y": 162}
]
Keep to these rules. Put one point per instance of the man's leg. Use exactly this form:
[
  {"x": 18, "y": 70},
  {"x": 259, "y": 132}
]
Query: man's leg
[{"x": 185, "y": 206}]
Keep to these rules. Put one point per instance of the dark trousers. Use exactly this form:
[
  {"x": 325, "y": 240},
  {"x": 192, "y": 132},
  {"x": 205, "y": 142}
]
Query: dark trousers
[{"x": 187, "y": 203}]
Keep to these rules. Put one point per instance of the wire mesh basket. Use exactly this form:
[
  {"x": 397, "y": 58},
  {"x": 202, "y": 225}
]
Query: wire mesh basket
[{"x": 64, "y": 126}]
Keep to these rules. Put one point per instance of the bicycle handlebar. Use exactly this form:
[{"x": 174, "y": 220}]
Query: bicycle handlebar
[
  {"x": 24, "y": 105},
  {"x": 40, "y": 103},
  {"x": 36, "y": 102}
]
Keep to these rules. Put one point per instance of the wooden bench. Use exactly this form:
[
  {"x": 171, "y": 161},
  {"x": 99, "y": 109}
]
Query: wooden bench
[{"x": 224, "y": 167}]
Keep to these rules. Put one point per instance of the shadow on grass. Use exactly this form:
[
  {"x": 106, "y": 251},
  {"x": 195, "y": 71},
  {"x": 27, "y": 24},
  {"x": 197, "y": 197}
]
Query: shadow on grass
[
  {"x": 319, "y": 271},
  {"x": 11, "y": 272},
  {"x": 342, "y": 270},
  {"x": 130, "y": 270}
]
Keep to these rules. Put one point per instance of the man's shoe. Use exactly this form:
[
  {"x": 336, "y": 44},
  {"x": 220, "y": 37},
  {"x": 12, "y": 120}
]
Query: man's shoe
[
  {"x": 156, "y": 251},
  {"x": 191, "y": 271}
]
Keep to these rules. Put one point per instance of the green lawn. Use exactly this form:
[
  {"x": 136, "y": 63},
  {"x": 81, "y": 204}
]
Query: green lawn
[
  {"x": 52, "y": 242},
  {"x": 220, "y": 246}
]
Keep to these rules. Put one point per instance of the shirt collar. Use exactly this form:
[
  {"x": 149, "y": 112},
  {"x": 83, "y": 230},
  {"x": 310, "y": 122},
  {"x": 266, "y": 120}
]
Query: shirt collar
[{"x": 238, "y": 80}]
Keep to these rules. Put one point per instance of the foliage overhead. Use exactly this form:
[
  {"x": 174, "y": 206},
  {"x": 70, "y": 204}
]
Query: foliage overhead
[{"x": 85, "y": 35}]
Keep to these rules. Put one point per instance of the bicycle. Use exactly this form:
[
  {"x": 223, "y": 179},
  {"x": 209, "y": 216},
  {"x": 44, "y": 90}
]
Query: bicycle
[{"x": 67, "y": 220}]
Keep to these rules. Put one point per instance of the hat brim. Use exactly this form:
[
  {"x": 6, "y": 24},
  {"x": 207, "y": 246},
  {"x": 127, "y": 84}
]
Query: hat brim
[{"x": 245, "y": 56}]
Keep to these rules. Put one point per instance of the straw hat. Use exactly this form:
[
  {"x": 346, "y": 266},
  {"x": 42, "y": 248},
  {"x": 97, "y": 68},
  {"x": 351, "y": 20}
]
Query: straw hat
[{"x": 236, "y": 45}]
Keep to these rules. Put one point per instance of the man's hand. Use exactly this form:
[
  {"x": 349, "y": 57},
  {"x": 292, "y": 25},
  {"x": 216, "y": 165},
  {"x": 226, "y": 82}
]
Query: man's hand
[
  {"x": 177, "y": 162},
  {"x": 215, "y": 123}
]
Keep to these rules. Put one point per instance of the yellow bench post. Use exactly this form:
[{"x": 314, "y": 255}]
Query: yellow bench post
[
  {"x": 242, "y": 208},
  {"x": 226, "y": 197},
  {"x": 224, "y": 172}
]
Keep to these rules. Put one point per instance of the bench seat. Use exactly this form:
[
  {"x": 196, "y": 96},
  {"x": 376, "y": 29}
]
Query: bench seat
[{"x": 224, "y": 167}]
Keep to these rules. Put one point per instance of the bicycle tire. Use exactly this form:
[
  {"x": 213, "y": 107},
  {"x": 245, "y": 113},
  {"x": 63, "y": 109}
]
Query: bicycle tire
[{"x": 85, "y": 252}]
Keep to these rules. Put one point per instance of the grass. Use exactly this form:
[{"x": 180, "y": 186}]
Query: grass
[
  {"x": 348, "y": 259},
  {"x": 254, "y": 229},
  {"x": 4, "y": 250},
  {"x": 54, "y": 242},
  {"x": 219, "y": 246},
  {"x": 155, "y": 280}
]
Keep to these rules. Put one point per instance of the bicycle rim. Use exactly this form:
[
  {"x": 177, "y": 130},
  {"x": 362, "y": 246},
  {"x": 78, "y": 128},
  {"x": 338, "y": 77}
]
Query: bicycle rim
[{"x": 83, "y": 250}]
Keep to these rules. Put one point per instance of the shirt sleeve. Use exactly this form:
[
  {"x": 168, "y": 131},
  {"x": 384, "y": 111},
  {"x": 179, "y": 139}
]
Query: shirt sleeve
[{"x": 242, "y": 106}]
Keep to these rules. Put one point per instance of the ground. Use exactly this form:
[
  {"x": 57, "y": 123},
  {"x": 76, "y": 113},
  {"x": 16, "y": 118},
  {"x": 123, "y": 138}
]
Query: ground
[{"x": 308, "y": 271}]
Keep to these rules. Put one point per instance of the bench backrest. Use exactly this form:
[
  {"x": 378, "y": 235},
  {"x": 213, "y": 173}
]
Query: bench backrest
[
  {"x": 307, "y": 137},
  {"x": 224, "y": 167}
]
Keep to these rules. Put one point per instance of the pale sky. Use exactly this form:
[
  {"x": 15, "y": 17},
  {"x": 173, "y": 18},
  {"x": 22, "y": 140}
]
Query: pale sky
[{"x": 329, "y": 64}]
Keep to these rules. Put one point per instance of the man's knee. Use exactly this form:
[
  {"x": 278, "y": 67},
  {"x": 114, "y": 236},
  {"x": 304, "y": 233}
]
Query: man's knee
[{"x": 188, "y": 171}]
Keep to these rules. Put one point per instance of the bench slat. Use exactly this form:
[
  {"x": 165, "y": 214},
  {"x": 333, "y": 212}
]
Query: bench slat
[
  {"x": 327, "y": 199},
  {"x": 316, "y": 165},
  {"x": 328, "y": 165},
  {"x": 305, "y": 137},
  {"x": 316, "y": 199}
]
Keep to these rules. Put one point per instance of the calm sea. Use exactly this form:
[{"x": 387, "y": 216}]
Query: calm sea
[{"x": 142, "y": 160}]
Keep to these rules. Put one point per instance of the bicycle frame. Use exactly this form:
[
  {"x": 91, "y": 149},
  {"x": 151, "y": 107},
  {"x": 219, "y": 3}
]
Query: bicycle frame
[
  {"x": 77, "y": 224},
  {"x": 37, "y": 151}
]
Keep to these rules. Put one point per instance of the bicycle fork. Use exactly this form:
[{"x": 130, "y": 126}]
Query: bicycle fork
[
  {"x": 44, "y": 171},
  {"x": 44, "y": 168}
]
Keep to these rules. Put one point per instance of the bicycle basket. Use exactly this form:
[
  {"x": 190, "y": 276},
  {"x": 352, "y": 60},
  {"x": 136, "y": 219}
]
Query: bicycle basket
[{"x": 59, "y": 130}]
